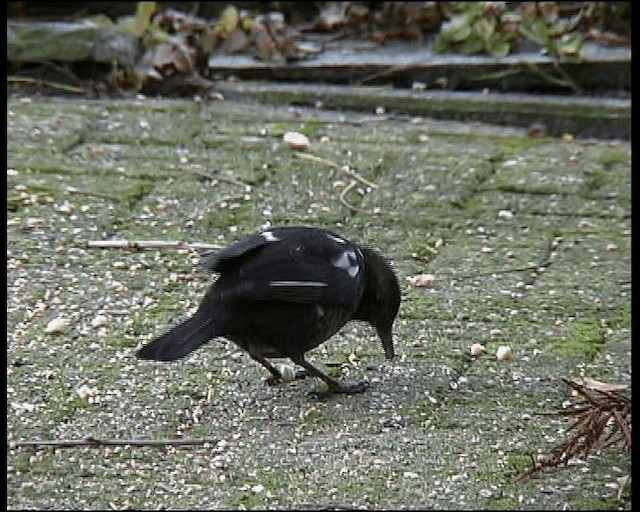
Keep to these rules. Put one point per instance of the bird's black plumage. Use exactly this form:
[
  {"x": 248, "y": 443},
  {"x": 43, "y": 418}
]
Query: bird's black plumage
[{"x": 283, "y": 292}]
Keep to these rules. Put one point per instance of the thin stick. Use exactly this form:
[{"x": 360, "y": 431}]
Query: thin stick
[
  {"x": 93, "y": 441},
  {"x": 210, "y": 176},
  {"x": 342, "y": 170},
  {"x": 343, "y": 194},
  {"x": 149, "y": 244},
  {"x": 73, "y": 190},
  {"x": 53, "y": 85}
]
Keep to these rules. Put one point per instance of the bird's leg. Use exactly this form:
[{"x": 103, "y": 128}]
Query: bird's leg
[
  {"x": 333, "y": 385},
  {"x": 276, "y": 377}
]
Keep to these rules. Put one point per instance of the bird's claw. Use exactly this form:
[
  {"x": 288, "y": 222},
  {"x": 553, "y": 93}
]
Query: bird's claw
[{"x": 347, "y": 388}]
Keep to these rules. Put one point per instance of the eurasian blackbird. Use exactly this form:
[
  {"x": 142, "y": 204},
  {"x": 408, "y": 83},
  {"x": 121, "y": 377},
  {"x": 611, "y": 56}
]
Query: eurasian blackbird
[{"x": 283, "y": 292}]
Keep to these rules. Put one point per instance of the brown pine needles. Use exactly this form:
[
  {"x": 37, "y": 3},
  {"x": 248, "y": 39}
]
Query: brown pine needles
[{"x": 602, "y": 418}]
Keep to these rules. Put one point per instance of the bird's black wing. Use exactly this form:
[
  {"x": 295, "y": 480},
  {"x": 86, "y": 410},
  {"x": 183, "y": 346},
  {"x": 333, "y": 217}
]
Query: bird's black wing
[
  {"x": 218, "y": 260},
  {"x": 298, "y": 265}
]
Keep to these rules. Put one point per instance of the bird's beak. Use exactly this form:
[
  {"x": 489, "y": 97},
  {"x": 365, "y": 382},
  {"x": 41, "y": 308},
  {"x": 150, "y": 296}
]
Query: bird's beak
[{"x": 387, "y": 341}]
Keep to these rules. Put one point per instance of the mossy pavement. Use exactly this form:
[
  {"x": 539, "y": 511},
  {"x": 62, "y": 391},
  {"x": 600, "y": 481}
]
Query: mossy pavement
[{"x": 528, "y": 241}]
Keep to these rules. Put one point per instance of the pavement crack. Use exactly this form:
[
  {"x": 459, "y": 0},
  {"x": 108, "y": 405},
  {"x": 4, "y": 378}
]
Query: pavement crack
[{"x": 547, "y": 261}]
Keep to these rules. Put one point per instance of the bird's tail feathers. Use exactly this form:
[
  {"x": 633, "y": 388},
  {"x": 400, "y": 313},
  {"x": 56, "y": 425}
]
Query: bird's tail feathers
[{"x": 182, "y": 339}]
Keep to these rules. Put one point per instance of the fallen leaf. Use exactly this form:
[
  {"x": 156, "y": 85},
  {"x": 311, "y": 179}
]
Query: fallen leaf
[{"x": 596, "y": 385}]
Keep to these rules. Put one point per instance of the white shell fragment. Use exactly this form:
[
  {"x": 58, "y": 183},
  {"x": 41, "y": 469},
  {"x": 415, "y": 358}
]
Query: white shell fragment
[
  {"x": 57, "y": 325},
  {"x": 99, "y": 321},
  {"x": 476, "y": 349},
  {"x": 85, "y": 392},
  {"x": 287, "y": 372},
  {"x": 422, "y": 280},
  {"x": 505, "y": 214},
  {"x": 504, "y": 353},
  {"x": 296, "y": 140}
]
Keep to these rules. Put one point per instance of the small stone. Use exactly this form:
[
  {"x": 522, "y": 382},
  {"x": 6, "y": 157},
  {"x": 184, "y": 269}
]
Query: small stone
[
  {"x": 296, "y": 140},
  {"x": 422, "y": 280},
  {"x": 66, "y": 207},
  {"x": 57, "y": 325},
  {"x": 505, "y": 214},
  {"x": 504, "y": 353},
  {"x": 85, "y": 392},
  {"x": 99, "y": 321},
  {"x": 287, "y": 372},
  {"x": 476, "y": 349}
]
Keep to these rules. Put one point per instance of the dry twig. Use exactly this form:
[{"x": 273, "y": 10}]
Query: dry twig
[
  {"x": 344, "y": 170},
  {"x": 95, "y": 442},
  {"x": 601, "y": 418},
  {"x": 150, "y": 244}
]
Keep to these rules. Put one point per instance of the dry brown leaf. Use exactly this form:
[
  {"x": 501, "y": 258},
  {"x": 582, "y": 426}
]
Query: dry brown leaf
[
  {"x": 174, "y": 55},
  {"x": 588, "y": 383}
]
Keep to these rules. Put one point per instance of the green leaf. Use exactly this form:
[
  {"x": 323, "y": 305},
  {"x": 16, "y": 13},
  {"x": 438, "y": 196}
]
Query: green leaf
[
  {"x": 570, "y": 45},
  {"x": 247, "y": 23},
  {"x": 102, "y": 20},
  {"x": 157, "y": 35},
  {"x": 485, "y": 28},
  {"x": 536, "y": 32},
  {"x": 142, "y": 19},
  {"x": 228, "y": 22},
  {"x": 472, "y": 46},
  {"x": 458, "y": 29},
  {"x": 500, "y": 48},
  {"x": 440, "y": 44}
]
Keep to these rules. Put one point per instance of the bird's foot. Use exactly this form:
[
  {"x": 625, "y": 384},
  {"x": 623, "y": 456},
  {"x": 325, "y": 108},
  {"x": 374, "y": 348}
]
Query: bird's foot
[{"x": 347, "y": 388}]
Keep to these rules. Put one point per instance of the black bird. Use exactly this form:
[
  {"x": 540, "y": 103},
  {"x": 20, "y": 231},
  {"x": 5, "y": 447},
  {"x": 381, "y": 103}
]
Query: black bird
[{"x": 283, "y": 292}]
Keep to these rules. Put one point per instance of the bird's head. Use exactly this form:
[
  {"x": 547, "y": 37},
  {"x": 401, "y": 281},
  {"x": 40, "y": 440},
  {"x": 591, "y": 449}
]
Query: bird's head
[{"x": 381, "y": 298}]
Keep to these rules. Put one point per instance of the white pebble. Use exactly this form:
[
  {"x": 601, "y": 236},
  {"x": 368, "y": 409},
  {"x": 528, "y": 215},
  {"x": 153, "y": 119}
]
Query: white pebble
[
  {"x": 99, "y": 321},
  {"x": 57, "y": 325},
  {"x": 504, "y": 353},
  {"x": 287, "y": 372},
  {"x": 476, "y": 349},
  {"x": 66, "y": 207},
  {"x": 296, "y": 140},
  {"x": 422, "y": 280},
  {"x": 505, "y": 214},
  {"x": 85, "y": 392}
]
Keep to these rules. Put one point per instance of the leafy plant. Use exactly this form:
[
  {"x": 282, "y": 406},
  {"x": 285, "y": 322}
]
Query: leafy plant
[
  {"x": 488, "y": 27},
  {"x": 141, "y": 24},
  {"x": 479, "y": 28}
]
